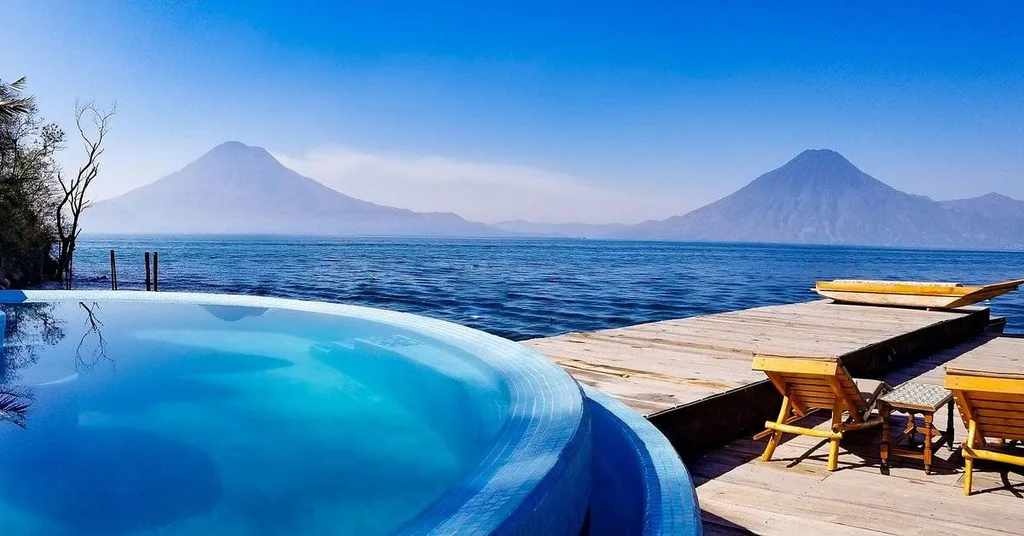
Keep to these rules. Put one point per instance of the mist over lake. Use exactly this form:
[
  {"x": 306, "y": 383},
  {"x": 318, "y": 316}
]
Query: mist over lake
[{"x": 525, "y": 288}]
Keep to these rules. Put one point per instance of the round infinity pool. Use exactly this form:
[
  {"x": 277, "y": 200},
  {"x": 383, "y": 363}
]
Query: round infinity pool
[{"x": 124, "y": 413}]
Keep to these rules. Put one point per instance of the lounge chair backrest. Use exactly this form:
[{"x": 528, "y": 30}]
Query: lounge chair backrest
[
  {"x": 814, "y": 383},
  {"x": 995, "y": 401}
]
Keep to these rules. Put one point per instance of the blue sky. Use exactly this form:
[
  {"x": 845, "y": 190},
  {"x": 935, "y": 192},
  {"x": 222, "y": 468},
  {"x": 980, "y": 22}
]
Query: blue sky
[{"x": 590, "y": 111}]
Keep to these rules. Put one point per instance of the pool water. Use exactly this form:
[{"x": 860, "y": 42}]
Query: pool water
[{"x": 164, "y": 418}]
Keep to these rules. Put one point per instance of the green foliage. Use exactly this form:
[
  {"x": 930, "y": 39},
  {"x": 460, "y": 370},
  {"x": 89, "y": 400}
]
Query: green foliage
[
  {"x": 28, "y": 195},
  {"x": 11, "y": 103}
]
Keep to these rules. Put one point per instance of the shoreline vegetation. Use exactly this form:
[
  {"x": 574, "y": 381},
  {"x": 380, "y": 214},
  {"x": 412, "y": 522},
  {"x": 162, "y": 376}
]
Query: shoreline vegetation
[{"x": 41, "y": 203}]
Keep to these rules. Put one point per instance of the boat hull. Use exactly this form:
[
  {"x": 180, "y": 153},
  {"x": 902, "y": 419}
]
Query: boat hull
[{"x": 917, "y": 295}]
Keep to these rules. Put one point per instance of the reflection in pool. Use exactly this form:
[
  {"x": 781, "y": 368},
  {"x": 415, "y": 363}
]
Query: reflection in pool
[{"x": 159, "y": 418}]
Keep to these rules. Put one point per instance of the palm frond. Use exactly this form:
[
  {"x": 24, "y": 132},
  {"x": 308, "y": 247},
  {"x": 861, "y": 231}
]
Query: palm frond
[
  {"x": 10, "y": 104},
  {"x": 10, "y": 108},
  {"x": 13, "y": 408}
]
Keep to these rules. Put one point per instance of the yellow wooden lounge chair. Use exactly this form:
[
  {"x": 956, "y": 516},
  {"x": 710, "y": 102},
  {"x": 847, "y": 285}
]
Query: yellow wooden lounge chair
[
  {"x": 812, "y": 383},
  {"x": 990, "y": 395}
]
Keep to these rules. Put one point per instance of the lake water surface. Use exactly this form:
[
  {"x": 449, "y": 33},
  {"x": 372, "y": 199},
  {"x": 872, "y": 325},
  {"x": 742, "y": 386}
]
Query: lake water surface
[{"x": 524, "y": 288}]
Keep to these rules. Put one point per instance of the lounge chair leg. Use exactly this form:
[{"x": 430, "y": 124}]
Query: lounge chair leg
[
  {"x": 968, "y": 473},
  {"x": 833, "y": 454},
  {"x": 833, "y": 445},
  {"x": 776, "y": 437},
  {"x": 972, "y": 440},
  {"x": 773, "y": 442}
]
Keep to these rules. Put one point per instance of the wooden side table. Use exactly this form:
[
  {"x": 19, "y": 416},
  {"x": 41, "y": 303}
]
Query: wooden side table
[{"x": 915, "y": 398}]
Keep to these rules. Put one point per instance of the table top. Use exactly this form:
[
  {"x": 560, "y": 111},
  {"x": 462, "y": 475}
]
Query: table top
[{"x": 919, "y": 396}]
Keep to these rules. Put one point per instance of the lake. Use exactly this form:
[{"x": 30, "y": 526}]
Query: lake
[{"x": 524, "y": 288}]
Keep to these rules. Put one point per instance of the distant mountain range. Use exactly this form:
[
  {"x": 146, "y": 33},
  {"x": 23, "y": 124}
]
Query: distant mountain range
[
  {"x": 238, "y": 189},
  {"x": 818, "y": 197},
  {"x": 993, "y": 205}
]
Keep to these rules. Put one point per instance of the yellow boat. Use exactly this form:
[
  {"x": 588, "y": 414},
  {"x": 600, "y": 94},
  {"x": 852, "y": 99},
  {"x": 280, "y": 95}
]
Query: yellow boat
[{"x": 929, "y": 295}]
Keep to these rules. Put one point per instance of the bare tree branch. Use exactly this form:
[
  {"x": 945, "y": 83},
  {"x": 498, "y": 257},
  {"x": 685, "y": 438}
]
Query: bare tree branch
[{"x": 74, "y": 200}]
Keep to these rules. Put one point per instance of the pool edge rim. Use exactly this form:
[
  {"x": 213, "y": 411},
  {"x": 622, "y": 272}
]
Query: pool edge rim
[{"x": 671, "y": 505}]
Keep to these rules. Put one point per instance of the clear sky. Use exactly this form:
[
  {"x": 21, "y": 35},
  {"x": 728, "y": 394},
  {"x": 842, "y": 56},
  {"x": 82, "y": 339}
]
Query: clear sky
[{"x": 553, "y": 111}]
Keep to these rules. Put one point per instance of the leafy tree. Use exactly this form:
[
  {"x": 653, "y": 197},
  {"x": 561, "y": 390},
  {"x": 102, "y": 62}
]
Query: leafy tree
[
  {"x": 28, "y": 173},
  {"x": 40, "y": 207}
]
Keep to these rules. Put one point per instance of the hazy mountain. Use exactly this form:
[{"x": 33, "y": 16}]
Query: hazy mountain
[
  {"x": 561, "y": 230},
  {"x": 819, "y": 197},
  {"x": 239, "y": 189},
  {"x": 993, "y": 206}
]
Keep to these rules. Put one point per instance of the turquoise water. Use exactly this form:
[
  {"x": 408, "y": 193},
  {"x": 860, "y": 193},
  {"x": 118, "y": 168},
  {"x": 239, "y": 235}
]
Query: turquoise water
[
  {"x": 147, "y": 419},
  {"x": 523, "y": 288}
]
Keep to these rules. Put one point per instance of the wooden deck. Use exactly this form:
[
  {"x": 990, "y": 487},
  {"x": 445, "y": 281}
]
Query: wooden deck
[
  {"x": 795, "y": 494},
  {"x": 692, "y": 378},
  {"x": 662, "y": 365}
]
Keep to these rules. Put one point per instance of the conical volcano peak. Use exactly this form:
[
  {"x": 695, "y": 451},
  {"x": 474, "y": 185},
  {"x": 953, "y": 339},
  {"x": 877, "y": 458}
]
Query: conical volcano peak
[
  {"x": 824, "y": 158},
  {"x": 234, "y": 160},
  {"x": 820, "y": 169},
  {"x": 230, "y": 146},
  {"x": 237, "y": 149}
]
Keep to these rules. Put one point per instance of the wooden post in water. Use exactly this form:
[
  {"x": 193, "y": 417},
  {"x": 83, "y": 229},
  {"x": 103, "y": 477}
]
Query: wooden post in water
[
  {"x": 113, "y": 271},
  {"x": 156, "y": 264},
  {"x": 147, "y": 272}
]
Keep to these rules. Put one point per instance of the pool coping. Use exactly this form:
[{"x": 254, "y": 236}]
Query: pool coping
[
  {"x": 546, "y": 416},
  {"x": 669, "y": 498}
]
